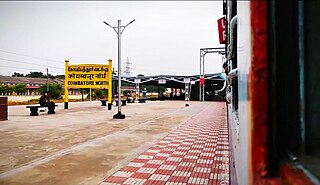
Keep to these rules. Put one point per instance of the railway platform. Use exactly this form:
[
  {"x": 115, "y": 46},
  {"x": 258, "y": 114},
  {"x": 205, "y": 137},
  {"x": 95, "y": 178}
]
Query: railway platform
[{"x": 197, "y": 152}]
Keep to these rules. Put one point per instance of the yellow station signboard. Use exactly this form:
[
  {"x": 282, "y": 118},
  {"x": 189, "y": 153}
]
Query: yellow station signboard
[
  {"x": 94, "y": 76},
  {"x": 88, "y": 76}
]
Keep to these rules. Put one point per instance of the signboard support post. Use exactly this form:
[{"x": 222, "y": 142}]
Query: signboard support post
[
  {"x": 110, "y": 85},
  {"x": 66, "y": 85}
]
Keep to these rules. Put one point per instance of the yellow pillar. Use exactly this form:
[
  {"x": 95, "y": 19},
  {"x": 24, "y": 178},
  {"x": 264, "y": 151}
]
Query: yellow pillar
[
  {"x": 66, "y": 93},
  {"x": 110, "y": 84}
]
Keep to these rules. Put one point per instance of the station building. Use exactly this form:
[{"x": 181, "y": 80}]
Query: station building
[{"x": 32, "y": 84}]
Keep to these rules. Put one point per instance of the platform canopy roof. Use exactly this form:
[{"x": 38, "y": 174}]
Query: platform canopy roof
[{"x": 172, "y": 81}]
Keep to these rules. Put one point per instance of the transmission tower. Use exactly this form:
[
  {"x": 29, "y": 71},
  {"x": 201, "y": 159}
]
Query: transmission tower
[{"x": 127, "y": 68}]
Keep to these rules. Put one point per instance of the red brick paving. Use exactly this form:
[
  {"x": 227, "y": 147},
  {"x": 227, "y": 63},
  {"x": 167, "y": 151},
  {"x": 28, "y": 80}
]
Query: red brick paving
[{"x": 197, "y": 152}]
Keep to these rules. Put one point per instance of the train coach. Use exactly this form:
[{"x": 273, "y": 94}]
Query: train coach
[{"x": 272, "y": 65}]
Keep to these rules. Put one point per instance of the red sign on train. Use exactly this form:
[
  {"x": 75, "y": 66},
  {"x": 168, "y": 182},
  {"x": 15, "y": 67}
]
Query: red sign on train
[
  {"x": 222, "y": 30},
  {"x": 201, "y": 81}
]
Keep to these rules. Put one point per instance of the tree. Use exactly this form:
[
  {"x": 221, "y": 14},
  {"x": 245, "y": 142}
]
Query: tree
[
  {"x": 98, "y": 93},
  {"x": 2, "y": 88},
  {"x": 6, "y": 89},
  {"x": 59, "y": 76},
  {"x": 19, "y": 88},
  {"x": 85, "y": 90},
  {"x": 17, "y": 74},
  {"x": 55, "y": 90},
  {"x": 36, "y": 75},
  {"x": 49, "y": 75}
]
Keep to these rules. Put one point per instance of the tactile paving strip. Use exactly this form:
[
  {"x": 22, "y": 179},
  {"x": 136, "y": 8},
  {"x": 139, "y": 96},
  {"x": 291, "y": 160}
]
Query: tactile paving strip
[{"x": 197, "y": 152}]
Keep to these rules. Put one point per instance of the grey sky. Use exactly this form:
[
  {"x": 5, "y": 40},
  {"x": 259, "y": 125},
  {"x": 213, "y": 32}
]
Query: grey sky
[{"x": 164, "y": 39}]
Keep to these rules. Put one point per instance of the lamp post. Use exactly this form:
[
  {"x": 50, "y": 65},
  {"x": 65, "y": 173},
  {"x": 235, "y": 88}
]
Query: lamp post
[
  {"x": 119, "y": 30},
  {"x": 47, "y": 80}
]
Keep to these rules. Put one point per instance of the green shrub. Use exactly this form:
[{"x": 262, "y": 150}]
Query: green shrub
[
  {"x": 97, "y": 94},
  {"x": 55, "y": 90},
  {"x": 19, "y": 88},
  {"x": 100, "y": 93},
  {"x": 6, "y": 89}
]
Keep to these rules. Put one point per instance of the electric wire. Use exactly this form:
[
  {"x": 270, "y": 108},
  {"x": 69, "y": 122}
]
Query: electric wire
[
  {"x": 39, "y": 58},
  {"x": 29, "y": 69},
  {"x": 28, "y": 63}
]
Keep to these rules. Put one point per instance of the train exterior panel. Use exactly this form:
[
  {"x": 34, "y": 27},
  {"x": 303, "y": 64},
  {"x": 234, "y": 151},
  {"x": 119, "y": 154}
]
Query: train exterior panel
[
  {"x": 240, "y": 132},
  {"x": 268, "y": 130}
]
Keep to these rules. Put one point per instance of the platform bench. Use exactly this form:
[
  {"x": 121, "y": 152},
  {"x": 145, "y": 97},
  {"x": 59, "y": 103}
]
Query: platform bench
[
  {"x": 103, "y": 102},
  {"x": 123, "y": 102},
  {"x": 34, "y": 109},
  {"x": 142, "y": 100}
]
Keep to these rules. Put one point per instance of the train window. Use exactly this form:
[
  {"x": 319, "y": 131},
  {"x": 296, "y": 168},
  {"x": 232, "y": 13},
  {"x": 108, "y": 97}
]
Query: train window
[{"x": 294, "y": 93}]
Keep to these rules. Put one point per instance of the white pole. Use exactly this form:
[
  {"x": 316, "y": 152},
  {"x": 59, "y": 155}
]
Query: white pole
[
  {"x": 47, "y": 80},
  {"x": 138, "y": 90},
  {"x": 90, "y": 96},
  {"x": 119, "y": 32},
  {"x": 119, "y": 66}
]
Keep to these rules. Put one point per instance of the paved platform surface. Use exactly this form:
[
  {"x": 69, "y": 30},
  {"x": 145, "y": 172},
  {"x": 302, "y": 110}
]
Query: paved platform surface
[
  {"x": 197, "y": 152},
  {"x": 84, "y": 144}
]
